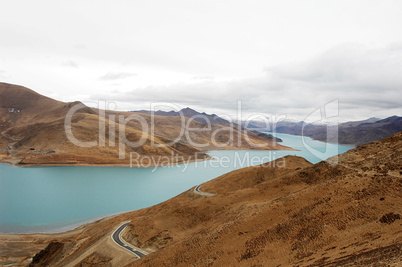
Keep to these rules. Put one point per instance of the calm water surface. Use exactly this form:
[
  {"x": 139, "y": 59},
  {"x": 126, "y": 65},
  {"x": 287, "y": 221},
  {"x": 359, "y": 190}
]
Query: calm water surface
[{"x": 54, "y": 199}]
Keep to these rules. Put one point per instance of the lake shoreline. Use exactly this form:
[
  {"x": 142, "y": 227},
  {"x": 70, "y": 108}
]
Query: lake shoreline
[
  {"x": 67, "y": 228},
  {"x": 315, "y": 139},
  {"x": 16, "y": 161},
  {"x": 90, "y": 183}
]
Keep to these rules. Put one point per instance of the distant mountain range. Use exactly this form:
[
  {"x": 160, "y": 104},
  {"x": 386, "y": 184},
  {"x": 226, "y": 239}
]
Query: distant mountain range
[
  {"x": 189, "y": 113},
  {"x": 205, "y": 118},
  {"x": 349, "y": 133}
]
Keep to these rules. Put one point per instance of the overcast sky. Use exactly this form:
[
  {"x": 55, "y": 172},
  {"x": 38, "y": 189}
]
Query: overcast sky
[{"x": 277, "y": 57}]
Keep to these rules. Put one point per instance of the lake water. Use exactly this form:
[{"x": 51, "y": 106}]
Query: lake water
[{"x": 55, "y": 199}]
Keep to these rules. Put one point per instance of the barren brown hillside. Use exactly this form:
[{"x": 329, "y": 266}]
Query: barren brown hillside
[
  {"x": 286, "y": 213},
  {"x": 32, "y": 132},
  {"x": 348, "y": 214}
]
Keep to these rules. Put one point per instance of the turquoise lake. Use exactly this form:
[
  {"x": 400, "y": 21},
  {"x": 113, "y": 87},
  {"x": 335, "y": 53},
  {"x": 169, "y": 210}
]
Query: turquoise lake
[{"x": 55, "y": 199}]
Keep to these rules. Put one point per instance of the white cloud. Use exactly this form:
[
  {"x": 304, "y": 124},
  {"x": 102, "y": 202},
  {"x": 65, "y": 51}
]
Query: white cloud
[
  {"x": 204, "y": 77},
  {"x": 116, "y": 76},
  {"x": 70, "y": 64},
  {"x": 3, "y": 74},
  {"x": 80, "y": 46},
  {"x": 209, "y": 54}
]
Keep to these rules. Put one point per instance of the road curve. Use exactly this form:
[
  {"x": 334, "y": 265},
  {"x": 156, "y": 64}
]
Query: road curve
[
  {"x": 116, "y": 236},
  {"x": 199, "y": 192}
]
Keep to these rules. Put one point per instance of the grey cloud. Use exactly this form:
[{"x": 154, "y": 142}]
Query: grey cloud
[
  {"x": 347, "y": 65},
  {"x": 116, "y": 76},
  {"x": 361, "y": 79}
]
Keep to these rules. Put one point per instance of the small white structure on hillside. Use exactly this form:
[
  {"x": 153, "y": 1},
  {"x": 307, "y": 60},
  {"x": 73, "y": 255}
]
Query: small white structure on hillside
[{"x": 13, "y": 110}]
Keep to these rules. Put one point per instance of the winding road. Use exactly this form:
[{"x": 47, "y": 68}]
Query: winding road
[
  {"x": 199, "y": 192},
  {"x": 116, "y": 236}
]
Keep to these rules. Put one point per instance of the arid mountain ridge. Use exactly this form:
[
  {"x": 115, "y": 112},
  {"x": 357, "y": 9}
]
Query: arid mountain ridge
[
  {"x": 189, "y": 113},
  {"x": 205, "y": 118},
  {"x": 32, "y": 132},
  {"x": 347, "y": 133}
]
